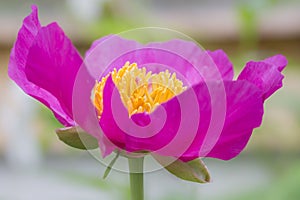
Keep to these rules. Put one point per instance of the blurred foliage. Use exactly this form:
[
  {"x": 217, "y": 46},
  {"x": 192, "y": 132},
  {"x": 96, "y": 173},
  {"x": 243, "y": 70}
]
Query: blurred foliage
[
  {"x": 96, "y": 182},
  {"x": 248, "y": 25},
  {"x": 111, "y": 22},
  {"x": 49, "y": 124},
  {"x": 285, "y": 186},
  {"x": 248, "y": 15}
]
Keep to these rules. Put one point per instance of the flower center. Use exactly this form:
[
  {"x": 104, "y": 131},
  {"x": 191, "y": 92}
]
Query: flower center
[{"x": 140, "y": 91}]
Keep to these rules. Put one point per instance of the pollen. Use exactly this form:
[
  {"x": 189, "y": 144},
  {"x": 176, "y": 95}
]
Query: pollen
[{"x": 140, "y": 91}]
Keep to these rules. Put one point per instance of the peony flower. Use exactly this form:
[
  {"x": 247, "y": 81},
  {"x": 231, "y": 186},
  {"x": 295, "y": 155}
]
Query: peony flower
[{"x": 169, "y": 98}]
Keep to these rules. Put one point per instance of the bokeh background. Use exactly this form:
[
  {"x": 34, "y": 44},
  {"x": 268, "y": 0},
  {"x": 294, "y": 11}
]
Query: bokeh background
[{"x": 34, "y": 164}]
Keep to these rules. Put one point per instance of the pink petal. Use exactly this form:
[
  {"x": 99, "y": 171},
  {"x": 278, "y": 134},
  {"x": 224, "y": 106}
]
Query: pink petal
[
  {"x": 104, "y": 51},
  {"x": 265, "y": 74},
  {"x": 202, "y": 65},
  {"x": 17, "y": 67},
  {"x": 223, "y": 63},
  {"x": 53, "y": 63},
  {"x": 278, "y": 61},
  {"x": 244, "y": 112},
  {"x": 84, "y": 112},
  {"x": 190, "y": 62},
  {"x": 229, "y": 112}
]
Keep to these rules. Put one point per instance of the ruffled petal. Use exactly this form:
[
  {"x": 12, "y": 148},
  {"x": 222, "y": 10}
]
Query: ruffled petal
[
  {"x": 199, "y": 58},
  {"x": 157, "y": 60},
  {"x": 279, "y": 61},
  {"x": 180, "y": 56},
  {"x": 104, "y": 51},
  {"x": 18, "y": 64},
  {"x": 223, "y": 63},
  {"x": 189, "y": 61},
  {"x": 265, "y": 74},
  {"x": 226, "y": 122}
]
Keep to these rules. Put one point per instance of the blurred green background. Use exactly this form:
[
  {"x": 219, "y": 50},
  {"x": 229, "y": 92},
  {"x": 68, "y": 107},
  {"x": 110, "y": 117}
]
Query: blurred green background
[{"x": 35, "y": 165}]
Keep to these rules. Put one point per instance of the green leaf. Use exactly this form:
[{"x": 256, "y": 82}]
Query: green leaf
[
  {"x": 194, "y": 170},
  {"x": 77, "y": 138}
]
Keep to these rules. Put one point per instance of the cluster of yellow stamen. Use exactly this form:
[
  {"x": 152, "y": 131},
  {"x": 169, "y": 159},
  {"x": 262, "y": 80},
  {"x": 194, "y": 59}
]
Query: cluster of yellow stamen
[{"x": 140, "y": 91}]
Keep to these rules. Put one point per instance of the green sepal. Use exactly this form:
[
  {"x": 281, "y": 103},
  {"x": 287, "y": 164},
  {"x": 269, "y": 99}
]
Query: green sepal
[
  {"x": 109, "y": 167},
  {"x": 77, "y": 138},
  {"x": 194, "y": 170}
]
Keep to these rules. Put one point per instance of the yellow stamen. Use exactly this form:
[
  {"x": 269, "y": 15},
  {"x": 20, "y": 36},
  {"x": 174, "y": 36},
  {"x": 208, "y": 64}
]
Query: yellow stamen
[{"x": 140, "y": 91}]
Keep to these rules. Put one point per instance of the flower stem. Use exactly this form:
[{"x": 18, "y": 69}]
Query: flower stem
[{"x": 136, "y": 178}]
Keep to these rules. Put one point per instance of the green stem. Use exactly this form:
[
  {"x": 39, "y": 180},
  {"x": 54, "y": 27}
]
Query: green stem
[{"x": 136, "y": 178}]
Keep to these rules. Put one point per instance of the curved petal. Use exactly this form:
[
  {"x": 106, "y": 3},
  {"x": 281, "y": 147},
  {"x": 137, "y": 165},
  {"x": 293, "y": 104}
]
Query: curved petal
[
  {"x": 53, "y": 57},
  {"x": 244, "y": 110},
  {"x": 135, "y": 134},
  {"x": 244, "y": 113},
  {"x": 265, "y": 74},
  {"x": 84, "y": 111},
  {"x": 17, "y": 67}
]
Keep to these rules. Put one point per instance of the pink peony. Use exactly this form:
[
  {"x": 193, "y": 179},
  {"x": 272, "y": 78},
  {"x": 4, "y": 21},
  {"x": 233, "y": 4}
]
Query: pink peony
[{"x": 194, "y": 109}]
